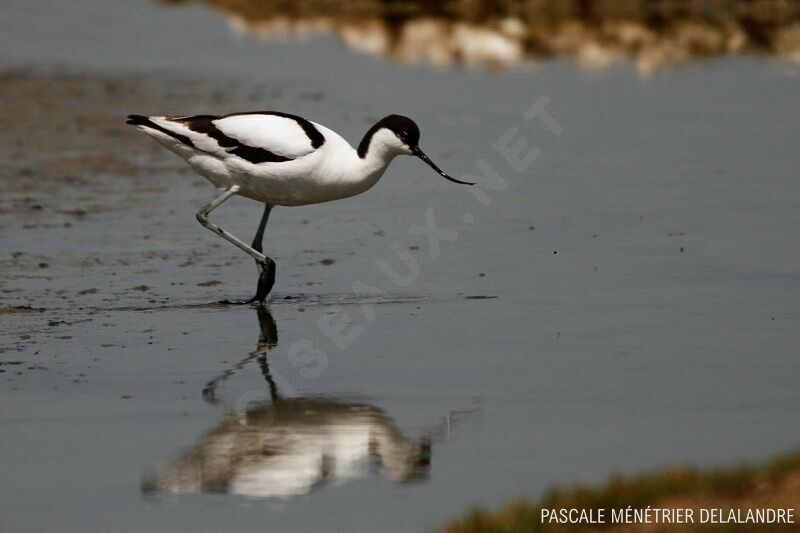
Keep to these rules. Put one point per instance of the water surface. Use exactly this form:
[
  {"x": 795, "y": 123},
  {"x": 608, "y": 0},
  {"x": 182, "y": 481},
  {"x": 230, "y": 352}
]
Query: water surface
[{"x": 628, "y": 299}]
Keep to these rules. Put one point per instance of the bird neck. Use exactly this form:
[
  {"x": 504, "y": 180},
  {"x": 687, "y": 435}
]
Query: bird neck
[
  {"x": 356, "y": 175},
  {"x": 376, "y": 151},
  {"x": 377, "y": 158},
  {"x": 369, "y": 161},
  {"x": 355, "y": 170}
]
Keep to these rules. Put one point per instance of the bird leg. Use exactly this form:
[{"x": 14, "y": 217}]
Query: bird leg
[
  {"x": 266, "y": 279},
  {"x": 257, "y": 240},
  {"x": 267, "y": 276}
]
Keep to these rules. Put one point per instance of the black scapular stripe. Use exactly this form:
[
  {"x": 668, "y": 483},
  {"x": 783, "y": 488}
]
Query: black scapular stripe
[{"x": 205, "y": 124}]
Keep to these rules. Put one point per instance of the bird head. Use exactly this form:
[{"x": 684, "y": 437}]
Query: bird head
[{"x": 400, "y": 135}]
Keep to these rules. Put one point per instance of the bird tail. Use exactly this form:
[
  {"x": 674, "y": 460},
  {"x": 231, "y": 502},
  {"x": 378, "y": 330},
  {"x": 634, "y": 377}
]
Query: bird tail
[
  {"x": 138, "y": 120},
  {"x": 167, "y": 136}
]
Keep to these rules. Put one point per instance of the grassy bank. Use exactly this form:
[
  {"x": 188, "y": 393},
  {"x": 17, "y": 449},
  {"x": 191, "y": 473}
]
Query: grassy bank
[{"x": 773, "y": 484}]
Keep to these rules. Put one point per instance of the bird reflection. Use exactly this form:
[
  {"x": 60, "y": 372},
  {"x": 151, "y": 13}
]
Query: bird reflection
[{"x": 284, "y": 447}]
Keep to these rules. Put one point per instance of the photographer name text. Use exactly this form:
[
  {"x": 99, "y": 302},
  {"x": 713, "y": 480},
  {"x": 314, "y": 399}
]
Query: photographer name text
[{"x": 658, "y": 515}]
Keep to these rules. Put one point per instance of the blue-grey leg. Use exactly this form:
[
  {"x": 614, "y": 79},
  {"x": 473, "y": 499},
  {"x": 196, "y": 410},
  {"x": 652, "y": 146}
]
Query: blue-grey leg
[
  {"x": 259, "y": 238},
  {"x": 266, "y": 265},
  {"x": 266, "y": 276}
]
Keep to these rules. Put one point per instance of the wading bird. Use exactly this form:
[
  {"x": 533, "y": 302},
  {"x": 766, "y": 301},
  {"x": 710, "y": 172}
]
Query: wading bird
[{"x": 280, "y": 159}]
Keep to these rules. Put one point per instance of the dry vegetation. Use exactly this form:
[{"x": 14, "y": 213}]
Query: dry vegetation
[{"x": 775, "y": 484}]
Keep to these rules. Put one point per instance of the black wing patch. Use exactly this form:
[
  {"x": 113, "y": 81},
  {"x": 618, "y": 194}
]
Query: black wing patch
[
  {"x": 141, "y": 120},
  {"x": 205, "y": 124}
]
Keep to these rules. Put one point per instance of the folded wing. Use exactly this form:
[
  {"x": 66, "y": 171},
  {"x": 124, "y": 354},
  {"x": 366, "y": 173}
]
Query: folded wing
[{"x": 259, "y": 137}]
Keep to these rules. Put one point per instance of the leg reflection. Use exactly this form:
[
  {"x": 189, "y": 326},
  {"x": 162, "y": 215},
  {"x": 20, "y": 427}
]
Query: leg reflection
[
  {"x": 284, "y": 447},
  {"x": 267, "y": 339}
]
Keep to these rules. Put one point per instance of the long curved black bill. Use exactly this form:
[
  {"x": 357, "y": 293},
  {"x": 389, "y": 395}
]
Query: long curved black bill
[{"x": 419, "y": 153}]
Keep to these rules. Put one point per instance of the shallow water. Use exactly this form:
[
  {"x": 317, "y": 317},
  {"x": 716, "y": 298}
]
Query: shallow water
[{"x": 628, "y": 299}]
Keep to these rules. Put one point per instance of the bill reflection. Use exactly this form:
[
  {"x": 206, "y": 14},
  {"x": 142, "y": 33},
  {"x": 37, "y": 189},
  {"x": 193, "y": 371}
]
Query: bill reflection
[{"x": 285, "y": 447}]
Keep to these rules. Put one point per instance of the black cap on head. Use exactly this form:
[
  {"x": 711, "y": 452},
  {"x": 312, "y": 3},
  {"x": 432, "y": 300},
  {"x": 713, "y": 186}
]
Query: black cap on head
[{"x": 405, "y": 129}]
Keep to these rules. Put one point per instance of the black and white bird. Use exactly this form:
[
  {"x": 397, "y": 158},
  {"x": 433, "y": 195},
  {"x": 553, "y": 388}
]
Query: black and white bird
[{"x": 280, "y": 159}]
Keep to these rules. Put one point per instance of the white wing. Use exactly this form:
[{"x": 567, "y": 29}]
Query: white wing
[
  {"x": 261, "y": 137},
  {"x": 281, "y": 135}
]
